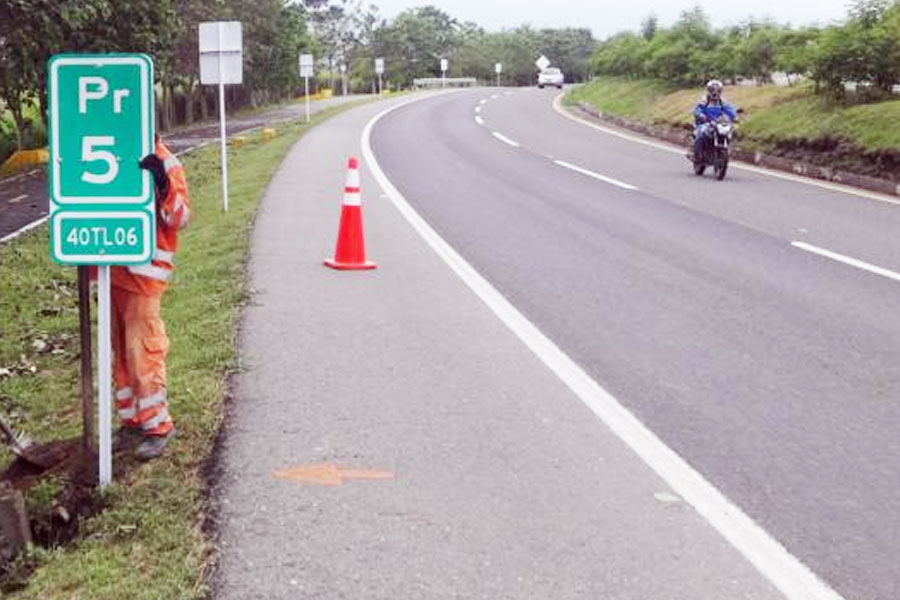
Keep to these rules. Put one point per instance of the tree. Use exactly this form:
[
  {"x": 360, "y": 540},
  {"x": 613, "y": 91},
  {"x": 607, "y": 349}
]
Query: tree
[{"x": 415, "y": 42}]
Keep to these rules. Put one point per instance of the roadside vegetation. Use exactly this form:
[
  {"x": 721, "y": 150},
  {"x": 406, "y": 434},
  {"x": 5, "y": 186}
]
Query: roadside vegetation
[
  {"x": 144, "y": 537},
  {"x": 835, "y": 102}
]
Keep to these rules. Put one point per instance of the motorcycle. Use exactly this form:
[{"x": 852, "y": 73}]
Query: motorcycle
[{"x": 715, "y": 153}]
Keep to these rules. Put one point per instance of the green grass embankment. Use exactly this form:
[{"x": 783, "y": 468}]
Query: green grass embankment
[
  {"x": 149, "y": 542},
  {"x": 785, "y": 121}
]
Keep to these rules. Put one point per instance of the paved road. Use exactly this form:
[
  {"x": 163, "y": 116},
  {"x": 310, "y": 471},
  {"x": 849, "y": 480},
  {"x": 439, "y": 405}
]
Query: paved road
[
  {"x": 771, "y": 369},
  {"x": 24, "y": 198},
  {"x": 501, "y": 483}
]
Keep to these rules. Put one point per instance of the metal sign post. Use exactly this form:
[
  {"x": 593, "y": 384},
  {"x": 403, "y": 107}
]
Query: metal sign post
[
  {"x": 343, "y": 79},
  {"x": 101, "y": 202},
  {"x": 221, "y": 63},
  {"x": 444, "y": 64},
  {"x": 379, "y": 69},
  {"x": 306, "y": 71},
  {"x": 498, "y": 68}
]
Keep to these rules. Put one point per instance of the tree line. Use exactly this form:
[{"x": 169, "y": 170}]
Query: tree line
[
  {"x": 863, "y": 50},
  {"x": 275, "y": 32}
]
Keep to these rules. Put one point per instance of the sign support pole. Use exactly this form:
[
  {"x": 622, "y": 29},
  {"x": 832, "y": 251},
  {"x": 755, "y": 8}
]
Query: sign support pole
[
  {"x": 87, "y": 382},
  {"x": 380, "y": 87},
  {"x": 222, "y": 125},
  {"x": 306, "y": 88},
  {"x": 104, "y": 374}
]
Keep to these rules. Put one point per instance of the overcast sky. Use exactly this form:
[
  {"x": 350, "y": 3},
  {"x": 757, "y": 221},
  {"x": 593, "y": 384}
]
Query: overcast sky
[{"x": 605, "y": 17}]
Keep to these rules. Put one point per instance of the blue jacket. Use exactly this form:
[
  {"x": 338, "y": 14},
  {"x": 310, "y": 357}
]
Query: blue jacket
[{"x": 713, "y": 110}]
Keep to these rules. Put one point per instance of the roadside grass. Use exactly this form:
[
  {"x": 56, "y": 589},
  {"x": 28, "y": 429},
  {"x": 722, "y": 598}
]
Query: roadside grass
[
  {"x": 775, "y": 116},
  {"x": 149, "y": 542}
]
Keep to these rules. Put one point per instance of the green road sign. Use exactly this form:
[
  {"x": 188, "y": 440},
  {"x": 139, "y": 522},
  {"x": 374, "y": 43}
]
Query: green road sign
[{"x": 101, "y": 125}]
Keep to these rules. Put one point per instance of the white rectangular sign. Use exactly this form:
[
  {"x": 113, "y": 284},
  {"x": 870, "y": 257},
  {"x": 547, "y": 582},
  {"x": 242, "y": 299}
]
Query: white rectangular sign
[
  {"x": 221, "y": 38},
  {"x": 379, "y": 66},
  {"x": 542, "y": 63},
  {"x": 444, "y": 64},
  {"x": 306, "y": 65},
  {"x": 498, "y": 68}
]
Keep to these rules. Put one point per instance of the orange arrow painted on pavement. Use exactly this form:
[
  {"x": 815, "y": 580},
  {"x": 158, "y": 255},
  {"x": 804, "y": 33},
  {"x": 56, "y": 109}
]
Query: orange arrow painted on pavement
[{"x": 328, "y": 474}]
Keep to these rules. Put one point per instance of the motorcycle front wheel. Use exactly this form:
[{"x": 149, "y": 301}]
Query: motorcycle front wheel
[
  {"x": 721, "y": 165},
  {"x": 699, "y": 167}
]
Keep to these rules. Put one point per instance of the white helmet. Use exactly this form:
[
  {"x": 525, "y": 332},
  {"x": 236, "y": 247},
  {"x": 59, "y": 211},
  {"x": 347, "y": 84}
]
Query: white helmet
[{"x": 714, "y": 89}]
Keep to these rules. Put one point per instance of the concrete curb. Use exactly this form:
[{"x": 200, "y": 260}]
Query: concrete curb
[
  {"x": 674, "y": 136},
  {"x": 23, "y": 159}
]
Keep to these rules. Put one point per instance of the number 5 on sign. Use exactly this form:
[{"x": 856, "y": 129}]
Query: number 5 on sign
[{"x": 88, "y": 154}]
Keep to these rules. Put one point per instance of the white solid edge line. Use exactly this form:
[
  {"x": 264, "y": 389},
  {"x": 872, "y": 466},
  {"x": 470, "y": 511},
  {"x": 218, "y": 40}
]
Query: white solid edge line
[
  {"x": 505, "y": 139},
  {"x": 19, "y": 176},
  {"x": 24, "y": 229},
  {"x": 603, "y": 178},
  {"x": 772, "y": 560},
  {"x": 834, "y": 187},
  {"x": 847, "y": 260},
  {"x": 479, "y": 120}
]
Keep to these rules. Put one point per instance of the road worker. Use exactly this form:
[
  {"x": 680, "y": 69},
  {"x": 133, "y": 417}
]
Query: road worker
[{"x": 140, "y": 344}]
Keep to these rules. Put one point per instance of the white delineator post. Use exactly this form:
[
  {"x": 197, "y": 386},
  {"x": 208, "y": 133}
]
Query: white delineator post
[
  {"x": 379, "y": 70},
  {"x": 307, "y": 61},
  {"x": 104, "y": 373},
  {"x": 222, "y": 122}
]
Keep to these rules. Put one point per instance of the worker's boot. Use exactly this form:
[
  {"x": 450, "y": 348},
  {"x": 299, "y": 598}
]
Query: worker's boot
[
  {"x": 127, "y": 438},
  {"x": 153, "y": 446}
]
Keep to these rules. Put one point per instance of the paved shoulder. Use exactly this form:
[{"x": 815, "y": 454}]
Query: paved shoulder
[{"x": 470, "y": 471}]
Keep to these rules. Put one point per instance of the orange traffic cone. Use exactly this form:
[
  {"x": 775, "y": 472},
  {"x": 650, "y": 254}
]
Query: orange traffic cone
[{"x": 350, "y": 253}]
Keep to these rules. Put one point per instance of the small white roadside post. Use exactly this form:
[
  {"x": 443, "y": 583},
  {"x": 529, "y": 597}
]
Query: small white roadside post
[
  {"x": 498, "y": 68},
  {"x": 343, "y": 79},
  {"x": 379, "y": 69},
  {"x": 444, "y": 64},
  {"x": 221, "y": 62},
  {"x": 306, "y": 71}
]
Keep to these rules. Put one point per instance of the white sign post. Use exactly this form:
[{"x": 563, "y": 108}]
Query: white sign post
[
  {"x": 379, "y": 69},
  {"x": 542, "y": 63},
  {"x": 221, "y": 62},
  {"x": 498, "y": 68},
  {"x": 444, "y": 64},
  {"x": 306, "y": 71},
  {"x": 344, "y": 79}
]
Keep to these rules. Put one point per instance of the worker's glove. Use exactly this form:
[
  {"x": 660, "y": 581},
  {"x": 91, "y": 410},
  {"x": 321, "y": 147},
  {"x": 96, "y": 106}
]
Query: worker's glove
[{"x": 154, "y": 164}]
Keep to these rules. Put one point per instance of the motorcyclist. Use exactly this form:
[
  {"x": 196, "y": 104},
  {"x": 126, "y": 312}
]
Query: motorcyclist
[{"x": 710, "y": 108}]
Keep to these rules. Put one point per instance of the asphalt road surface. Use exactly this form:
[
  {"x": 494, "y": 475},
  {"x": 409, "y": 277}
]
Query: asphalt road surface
[
  {"x": 24, "y": 198},
  {"x": 752, "y": 324}
]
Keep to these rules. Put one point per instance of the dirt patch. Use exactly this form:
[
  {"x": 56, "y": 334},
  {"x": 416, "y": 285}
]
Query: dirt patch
[{"x": 59, "y": 496}]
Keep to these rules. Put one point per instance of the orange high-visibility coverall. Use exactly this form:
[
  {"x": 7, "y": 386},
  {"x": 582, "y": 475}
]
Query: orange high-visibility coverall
[{"x": 140, "y": 344}]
